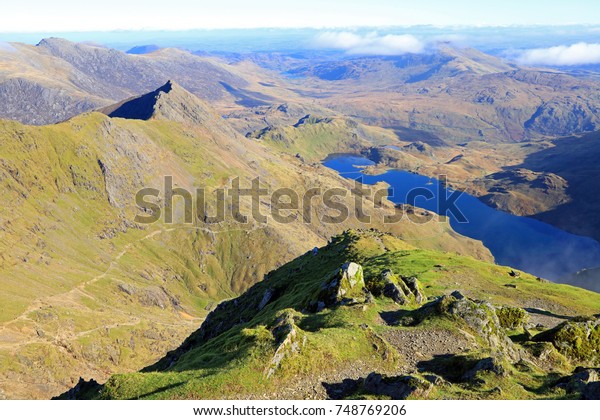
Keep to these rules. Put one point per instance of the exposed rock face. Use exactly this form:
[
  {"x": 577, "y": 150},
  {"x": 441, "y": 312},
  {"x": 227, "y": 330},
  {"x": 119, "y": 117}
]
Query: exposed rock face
[
  {"x": 480, "y": 316},
  {"x": 266, "y": 299},
  {"x": 34, "y": 103},
  {"x": 401, "y": 290},
  {"x": 286, "y": 334},
  {"x": 577, "y": 340},
  {"x": 346, "y": 285}
]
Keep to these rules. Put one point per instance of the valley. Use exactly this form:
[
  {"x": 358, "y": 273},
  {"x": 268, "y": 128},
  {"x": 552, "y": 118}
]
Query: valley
[{"x": 96, "y": 304}]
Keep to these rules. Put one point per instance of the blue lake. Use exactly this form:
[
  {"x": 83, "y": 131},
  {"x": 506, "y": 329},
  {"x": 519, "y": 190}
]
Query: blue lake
[{"x": 520, "y": 242}]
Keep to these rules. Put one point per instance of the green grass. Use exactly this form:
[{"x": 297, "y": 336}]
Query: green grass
[{"x": 234, "y": 362}]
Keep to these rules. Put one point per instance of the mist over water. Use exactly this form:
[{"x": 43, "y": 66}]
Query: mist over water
[{"x": 521, "y": 242}]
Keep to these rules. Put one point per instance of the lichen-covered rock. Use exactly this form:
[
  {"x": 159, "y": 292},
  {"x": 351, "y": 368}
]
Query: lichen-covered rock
[
  {"x": 415, "y": 288},
  {"x": 579, "y": 340},
  {"x": 480, "y": 316},
  {"x": 345, "y": 285},
  {"x": 285, "y": 334},
  {"x": 397, "y": 387},
  {"x": 578, "y": 381},
  {"x": 511, "y": 318},
  {"x": 393, "y": 292},
  {"x": 493, "y": 364},
  {"x": 401, "y": 290},
  {"x": 388, "y": 276}
]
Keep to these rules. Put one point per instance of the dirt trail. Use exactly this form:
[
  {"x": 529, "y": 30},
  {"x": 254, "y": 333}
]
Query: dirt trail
[{"x": 68, "y": 296}]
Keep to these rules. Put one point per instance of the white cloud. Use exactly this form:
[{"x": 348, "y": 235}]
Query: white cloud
[
  {"x": 562, "y": 55},
  {"x": 369, "y": 44}
]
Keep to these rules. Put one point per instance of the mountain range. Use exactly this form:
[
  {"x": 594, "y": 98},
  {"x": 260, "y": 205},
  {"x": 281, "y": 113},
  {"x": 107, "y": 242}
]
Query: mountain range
[{"x": 98, "y": 304}]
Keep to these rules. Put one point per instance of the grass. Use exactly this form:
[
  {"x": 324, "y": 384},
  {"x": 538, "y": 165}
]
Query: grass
[{"x": 233, "y": 363}]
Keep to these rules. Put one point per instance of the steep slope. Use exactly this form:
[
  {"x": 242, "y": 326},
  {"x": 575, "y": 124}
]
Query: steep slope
[
  {"x": 371, "y": 316},
  {"x": 58, "y": 79},
  {"x": 88, "y": 290},
  {"x": 560, "y": 183}
]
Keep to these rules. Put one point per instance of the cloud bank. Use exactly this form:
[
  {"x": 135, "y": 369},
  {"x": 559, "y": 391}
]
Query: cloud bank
[
  {"x": 562, "y": 55},
  {"x": 369, "y": 44}
]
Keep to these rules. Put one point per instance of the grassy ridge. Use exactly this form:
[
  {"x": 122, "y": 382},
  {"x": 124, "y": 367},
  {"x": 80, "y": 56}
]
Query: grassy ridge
[{"x": 349, "y": 341}]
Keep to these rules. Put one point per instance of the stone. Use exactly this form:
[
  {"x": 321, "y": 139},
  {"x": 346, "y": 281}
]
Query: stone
[
  {"x": 346, "y": 285},
  {"x": 397, "y": 388},
  {"x": 265, "y": 299},
  {"x": 413, "y": 285},
  {"x": 393, "y": 292},
  {"x": 579, "y": 340},
  {"x": 488, "y": 364},
  {"x": 591, "y": 391}
]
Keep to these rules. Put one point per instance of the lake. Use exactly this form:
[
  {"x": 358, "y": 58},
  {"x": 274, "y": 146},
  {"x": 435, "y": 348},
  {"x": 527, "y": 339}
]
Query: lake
[{"x": 520, "y": 242}]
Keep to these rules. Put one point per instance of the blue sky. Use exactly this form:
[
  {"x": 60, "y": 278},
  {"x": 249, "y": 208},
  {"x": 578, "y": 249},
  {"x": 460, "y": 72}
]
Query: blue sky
[{"x": 43, "y": 16}]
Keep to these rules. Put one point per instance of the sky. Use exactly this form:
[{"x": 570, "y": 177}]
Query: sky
[{"x": 43, "y": 16}]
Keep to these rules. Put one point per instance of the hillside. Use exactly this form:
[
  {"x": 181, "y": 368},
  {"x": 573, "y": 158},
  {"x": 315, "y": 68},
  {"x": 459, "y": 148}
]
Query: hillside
[
  {"x": 58, "y": 79},
  {"x": 371, "y": 316},
  {"x": 443, "y": 95},
  {"x": 88, "y": 291},
  {"x": 452, "y": 94}
]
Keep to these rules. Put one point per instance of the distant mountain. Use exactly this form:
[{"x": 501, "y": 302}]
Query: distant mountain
[
  {"x": 143, "y": 49},
  {"x": 408, "y": 68},
  {"x": 453, "y": 94},
  {"x": 58, "y": 79},
  {"x": 86, "y": 286}
]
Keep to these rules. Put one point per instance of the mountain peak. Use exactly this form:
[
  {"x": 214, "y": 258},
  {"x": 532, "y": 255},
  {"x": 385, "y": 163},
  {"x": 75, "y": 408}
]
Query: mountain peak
[{"x": 168, "y": 102}]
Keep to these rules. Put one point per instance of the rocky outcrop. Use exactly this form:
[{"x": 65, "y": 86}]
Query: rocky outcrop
[
  {"x": 401, "y": 290},
  {"x": 579, "y": 381},
  {"x": 286, "y": 338},
  {"x": 345, "y": 286},
  {"x": 577, "y": 339},
  {"x": 397, "y": 387},
  {"x": 492, "y": 364},
  {"x": 479, "y": 316}
]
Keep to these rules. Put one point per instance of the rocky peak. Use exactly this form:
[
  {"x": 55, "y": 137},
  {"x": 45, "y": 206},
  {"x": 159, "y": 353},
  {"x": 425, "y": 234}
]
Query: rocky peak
[{"x": 168, "y": 102}]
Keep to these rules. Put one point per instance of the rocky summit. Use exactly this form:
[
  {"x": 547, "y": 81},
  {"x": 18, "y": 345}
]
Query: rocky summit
[{"x": 370, "y": 316}]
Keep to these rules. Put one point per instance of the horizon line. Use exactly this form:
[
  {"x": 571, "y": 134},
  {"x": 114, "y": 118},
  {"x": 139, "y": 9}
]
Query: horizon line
[{"x": 333, "y": 27}]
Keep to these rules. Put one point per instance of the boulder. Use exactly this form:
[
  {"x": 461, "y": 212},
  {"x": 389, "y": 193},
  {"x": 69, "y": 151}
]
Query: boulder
[
  {"x": 489, "y": 364},
  {"x": 415, "y": 288},
  {"x": 591, "y": 391},
  {"x": 346, "y": 285},
  {"x": 285, "y": 334},
  {"x": 577, "y": 339},
  {"x": 579, "y": 380},
  {"x": 393, "y": 292},
  {"x": 397, "y": 387},
  {"x": 401, "y": 290}
]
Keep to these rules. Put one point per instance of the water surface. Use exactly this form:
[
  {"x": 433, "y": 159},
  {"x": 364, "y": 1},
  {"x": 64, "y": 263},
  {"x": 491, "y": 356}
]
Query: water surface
[{"x": 520, "y": 242}]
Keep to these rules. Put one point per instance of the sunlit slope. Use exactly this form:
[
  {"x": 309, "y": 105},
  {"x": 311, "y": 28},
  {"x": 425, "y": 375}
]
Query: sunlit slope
[{"x": 87, "y": 291}]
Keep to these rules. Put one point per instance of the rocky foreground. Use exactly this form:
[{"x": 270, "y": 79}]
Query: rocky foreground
[{"x": 371, "y": 316}]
